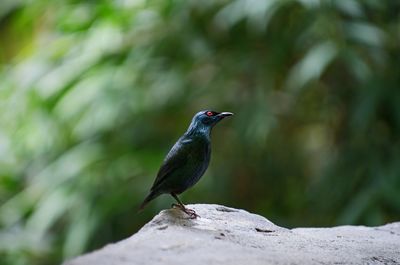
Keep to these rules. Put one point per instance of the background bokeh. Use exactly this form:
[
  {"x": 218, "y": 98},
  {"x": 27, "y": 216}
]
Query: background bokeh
[{"x": 94, "y": 93}]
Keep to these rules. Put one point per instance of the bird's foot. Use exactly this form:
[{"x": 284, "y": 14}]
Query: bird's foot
[{"x": 192, "y": 214}]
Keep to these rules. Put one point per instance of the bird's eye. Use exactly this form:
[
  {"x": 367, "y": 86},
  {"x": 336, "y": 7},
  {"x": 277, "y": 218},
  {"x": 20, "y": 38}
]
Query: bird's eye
[{"x": 209, "y": 113}]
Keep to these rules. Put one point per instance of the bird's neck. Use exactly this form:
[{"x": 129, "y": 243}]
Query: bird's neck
[{"x": 198, "y": 130}]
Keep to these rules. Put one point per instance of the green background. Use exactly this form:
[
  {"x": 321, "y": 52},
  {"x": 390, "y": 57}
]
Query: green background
[{"x": 94, "y": 93}]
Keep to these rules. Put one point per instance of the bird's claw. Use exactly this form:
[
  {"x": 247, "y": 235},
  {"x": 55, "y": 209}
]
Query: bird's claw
[{"x": 192, "y": 214}]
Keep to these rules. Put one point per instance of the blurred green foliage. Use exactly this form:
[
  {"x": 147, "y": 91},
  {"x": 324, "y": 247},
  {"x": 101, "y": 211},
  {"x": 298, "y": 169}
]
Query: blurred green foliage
[{"x": 93, "y": 94}]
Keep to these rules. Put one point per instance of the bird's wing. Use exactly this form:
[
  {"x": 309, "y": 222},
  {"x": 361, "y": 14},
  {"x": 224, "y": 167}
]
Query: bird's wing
[{"x": 176, "y": 158}]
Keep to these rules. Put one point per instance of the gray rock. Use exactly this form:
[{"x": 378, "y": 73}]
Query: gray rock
[{"x": 225, "y": 235}]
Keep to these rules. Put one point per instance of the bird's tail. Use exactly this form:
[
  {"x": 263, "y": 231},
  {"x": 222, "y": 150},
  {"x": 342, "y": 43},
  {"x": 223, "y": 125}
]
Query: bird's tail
[{"x": 149, "y": 197}]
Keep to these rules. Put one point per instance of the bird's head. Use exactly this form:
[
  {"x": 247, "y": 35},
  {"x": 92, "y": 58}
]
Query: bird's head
[
  {"x": 204, "y": 120},
  {"x": 209, "y": 117}
]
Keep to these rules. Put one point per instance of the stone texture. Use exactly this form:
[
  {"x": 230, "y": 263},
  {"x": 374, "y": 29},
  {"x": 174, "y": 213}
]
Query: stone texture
[{"x": 225, "y": 235}]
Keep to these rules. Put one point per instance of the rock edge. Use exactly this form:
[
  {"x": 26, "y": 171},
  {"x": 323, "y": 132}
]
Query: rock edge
[{"x": 224, "y": 235}]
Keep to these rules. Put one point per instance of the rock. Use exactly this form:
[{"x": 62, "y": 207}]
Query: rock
[{"x": 225, "y": 235}]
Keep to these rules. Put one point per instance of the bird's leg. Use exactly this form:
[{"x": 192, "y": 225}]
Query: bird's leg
[{"x": 192, "y": 214}]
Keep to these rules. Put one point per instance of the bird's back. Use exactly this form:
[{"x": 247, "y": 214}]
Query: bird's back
[{"x": 184, "y": 165}]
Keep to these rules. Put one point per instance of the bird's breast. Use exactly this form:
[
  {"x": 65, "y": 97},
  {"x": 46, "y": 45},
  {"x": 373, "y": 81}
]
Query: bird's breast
[{"x": 197, "y": 163}]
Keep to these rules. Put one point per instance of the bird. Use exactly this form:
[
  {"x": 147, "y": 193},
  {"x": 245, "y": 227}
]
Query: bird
[{"x": 187, "y": 160}]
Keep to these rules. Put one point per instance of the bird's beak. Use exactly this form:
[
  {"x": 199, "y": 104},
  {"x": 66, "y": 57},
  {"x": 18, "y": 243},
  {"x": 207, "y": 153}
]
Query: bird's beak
[{"x": 225, "y": 114}]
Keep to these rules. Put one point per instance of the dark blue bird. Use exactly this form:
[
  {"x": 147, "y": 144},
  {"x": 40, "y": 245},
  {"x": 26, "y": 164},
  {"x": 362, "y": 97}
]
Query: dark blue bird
[{"x": 187, "y": 160}]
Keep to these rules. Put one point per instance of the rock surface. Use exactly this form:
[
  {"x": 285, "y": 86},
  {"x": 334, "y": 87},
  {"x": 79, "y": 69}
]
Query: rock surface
[{"x": 225, "y": 235}]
